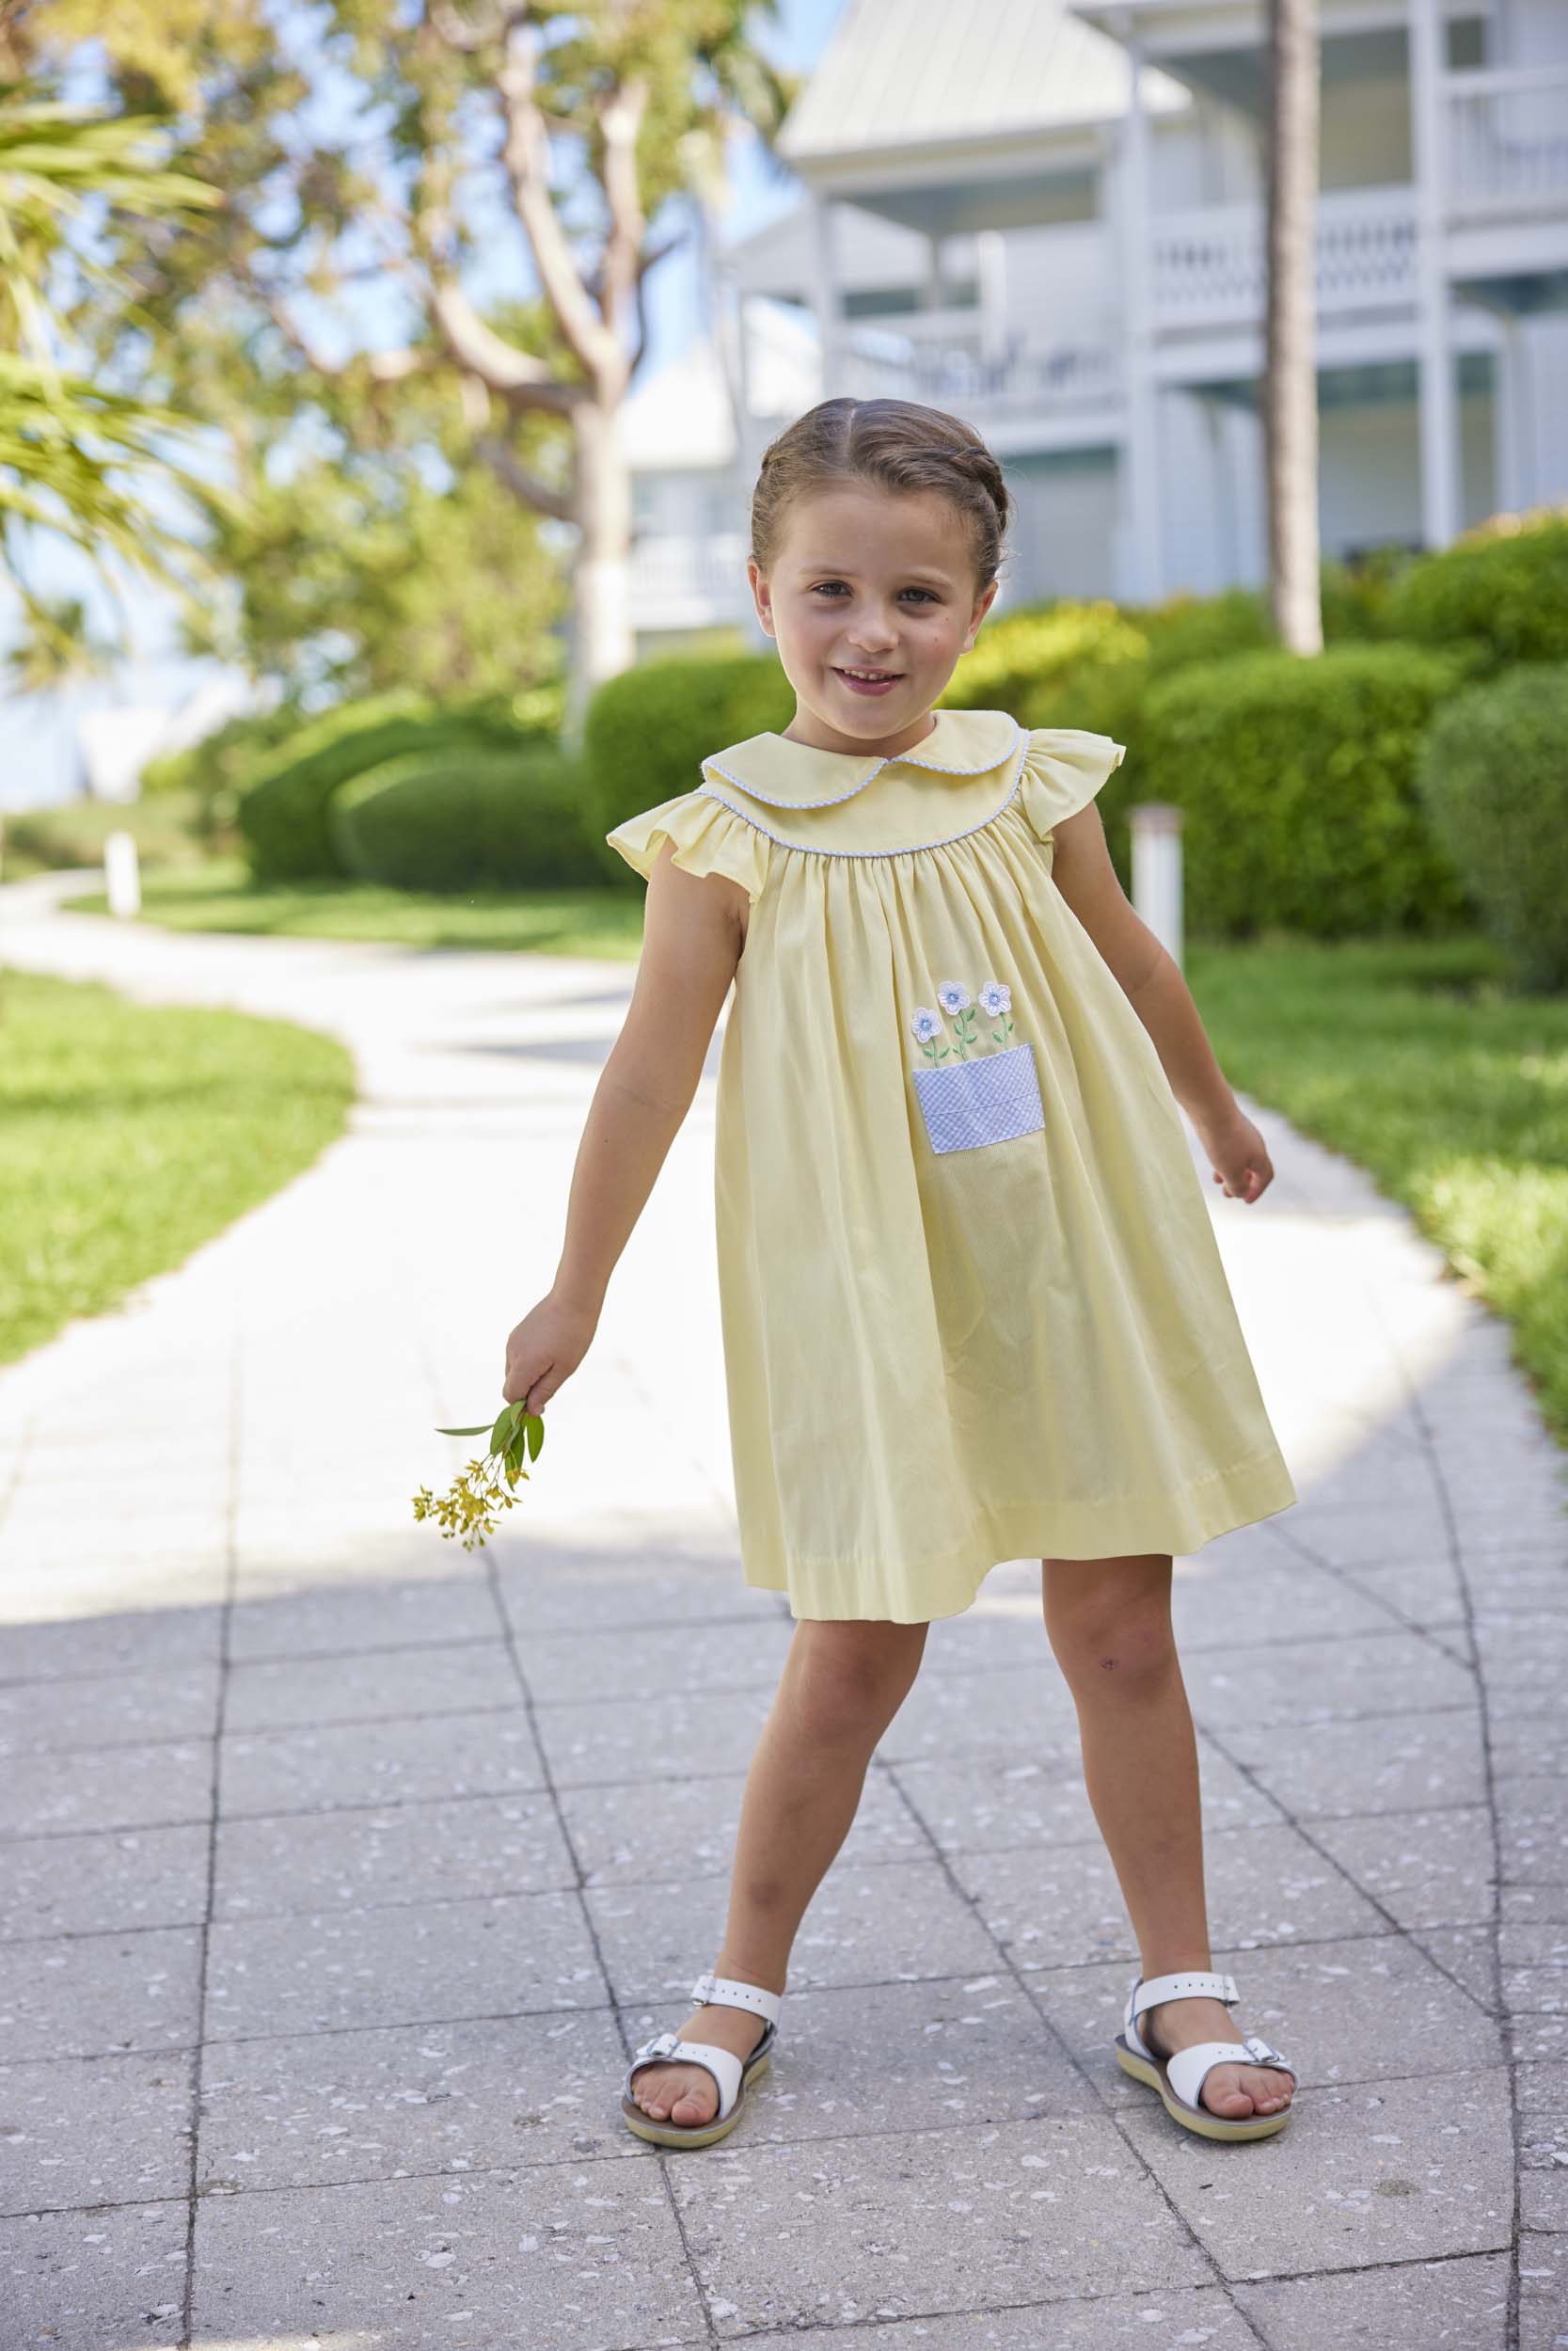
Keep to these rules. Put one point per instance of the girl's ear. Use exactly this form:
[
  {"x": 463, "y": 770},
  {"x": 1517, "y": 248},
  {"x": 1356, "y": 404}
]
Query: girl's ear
[
  {"x": 761, "y": 594},
  {"x": 982, "y": 607}
]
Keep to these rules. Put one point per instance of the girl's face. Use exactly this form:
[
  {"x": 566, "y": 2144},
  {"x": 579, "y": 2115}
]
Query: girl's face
[{"x": 869, "y": 579}]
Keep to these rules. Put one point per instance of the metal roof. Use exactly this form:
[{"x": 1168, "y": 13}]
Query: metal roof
[{"x": 921, "y": 73}]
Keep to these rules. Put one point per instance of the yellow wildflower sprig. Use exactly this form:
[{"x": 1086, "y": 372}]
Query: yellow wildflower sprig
[{"x": 485, "y": 1487}]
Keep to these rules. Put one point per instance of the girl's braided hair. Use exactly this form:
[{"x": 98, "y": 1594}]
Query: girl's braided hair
[{"x": 897, "y": 444}]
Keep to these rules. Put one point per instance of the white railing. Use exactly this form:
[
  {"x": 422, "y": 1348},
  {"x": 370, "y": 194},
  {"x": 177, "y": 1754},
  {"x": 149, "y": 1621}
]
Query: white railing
[
  {"x": 678, "y": 581},
  {"x": 1507, "y": 140},
  {"x": 961, "y": 371},
  {"x": 1208, "y": 266}
]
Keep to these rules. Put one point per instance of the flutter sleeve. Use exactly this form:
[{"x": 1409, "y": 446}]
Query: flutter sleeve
[
  {"x": 1063, "y": 768},
  {"x": 708, "y": 838}
]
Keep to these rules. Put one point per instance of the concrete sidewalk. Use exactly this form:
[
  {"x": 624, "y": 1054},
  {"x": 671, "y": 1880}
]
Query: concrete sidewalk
[{"x": 344, "y": 1869}]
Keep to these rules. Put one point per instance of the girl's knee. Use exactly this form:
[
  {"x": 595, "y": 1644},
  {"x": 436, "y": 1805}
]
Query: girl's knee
[
  {"x": 1110, "y": 1625},
  {"x": 847, "y": 1671}
]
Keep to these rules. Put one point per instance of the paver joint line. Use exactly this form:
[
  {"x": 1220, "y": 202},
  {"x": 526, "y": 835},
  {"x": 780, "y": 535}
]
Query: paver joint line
[{"x": 1413, "y": 1432}]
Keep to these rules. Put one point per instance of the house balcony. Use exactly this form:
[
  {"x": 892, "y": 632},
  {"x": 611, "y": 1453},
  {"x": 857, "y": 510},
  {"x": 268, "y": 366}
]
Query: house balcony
[
  {"x": 688, "y": 581},
  {"x": 1208, "y": 266},
  {"x": 995, "y": 373},
  {"x": 1506, "y": 138}
]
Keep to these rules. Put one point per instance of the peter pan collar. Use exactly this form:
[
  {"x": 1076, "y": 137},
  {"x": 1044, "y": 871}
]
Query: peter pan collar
[{"x": 788, "y": 774}]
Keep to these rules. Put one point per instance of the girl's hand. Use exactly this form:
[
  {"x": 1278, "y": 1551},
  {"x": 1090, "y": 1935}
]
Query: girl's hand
[
  {"x": 1240, "y": 1158},
  {"x": 545, "y": 1349}
]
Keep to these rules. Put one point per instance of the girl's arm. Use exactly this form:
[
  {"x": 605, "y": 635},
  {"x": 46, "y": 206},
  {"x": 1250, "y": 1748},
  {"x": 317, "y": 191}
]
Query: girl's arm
[
  {"x": 1152, "y": 982},
  {"x": 694, "y": 929}
]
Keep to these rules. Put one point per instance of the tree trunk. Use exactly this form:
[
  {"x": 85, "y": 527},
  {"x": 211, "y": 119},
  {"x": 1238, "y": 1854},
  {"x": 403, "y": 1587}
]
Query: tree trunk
[
  {"x": 603, "y": 644},
  {"x": 1290, "y": 371}
]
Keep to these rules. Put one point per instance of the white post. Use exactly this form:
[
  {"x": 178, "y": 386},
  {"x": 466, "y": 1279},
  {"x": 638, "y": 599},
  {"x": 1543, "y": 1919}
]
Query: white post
[
  {"x": 824, "y": 291},
  {"x": 121, "y": 874},
  {"x": 1440, "y": 504},
  {"x": 1139, "y": 446},
  {"x": 1157, "y": 871}
]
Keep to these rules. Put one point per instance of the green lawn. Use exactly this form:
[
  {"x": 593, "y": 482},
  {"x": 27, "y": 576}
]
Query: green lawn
[
  {"x": 130, "y": 1134},
  {"x": 220, "y": 896},
  {"x": 1452, "y": 1094}
]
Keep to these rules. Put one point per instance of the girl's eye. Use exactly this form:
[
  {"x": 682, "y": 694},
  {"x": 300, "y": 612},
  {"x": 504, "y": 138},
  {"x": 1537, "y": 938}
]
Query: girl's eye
[{"x": 838, "y": 584}]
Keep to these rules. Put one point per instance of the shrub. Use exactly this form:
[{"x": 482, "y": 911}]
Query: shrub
[
  {"x": 1493, "y": 777},
  {"x": 1186, "y": 628},
  {"x": 647, "y": 732},
  {"x": 70, "y": 832},
  {"x": 1502, "y": 589},
  {"x": 1019, "y": 655},
  {"x": 1297, "y": 777},
  {"x": 284, "y": 816},
  {"x": 1355, "y": 595},
  {"x": 484, "y": 819},
  {"x": 215, "y": 771}
]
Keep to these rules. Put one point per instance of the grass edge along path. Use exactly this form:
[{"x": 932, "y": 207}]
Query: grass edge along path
[
  {"x": 1409, "y": 1055},
  {"x": 131, "y": 1134},
  {"x": 221, "y": 896},
  {"x": 1412, "y": 1058}
]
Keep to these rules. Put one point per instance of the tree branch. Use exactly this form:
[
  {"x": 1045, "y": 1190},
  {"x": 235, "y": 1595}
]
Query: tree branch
[
  {"x": 515, "y": 376},
  {"x": 468, "y": 34},
  {"x": 522, "y": 483},
  {"x": 621, "y": 111},
  {"x": 385, "y": 367},
  {"x": 525, "y": 155}
]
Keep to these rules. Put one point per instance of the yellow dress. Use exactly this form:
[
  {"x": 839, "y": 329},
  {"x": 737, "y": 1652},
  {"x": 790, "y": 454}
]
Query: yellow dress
[{"x": 972, "y": 1302}]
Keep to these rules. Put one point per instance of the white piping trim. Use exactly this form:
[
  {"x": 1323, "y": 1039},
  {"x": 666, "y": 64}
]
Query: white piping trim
[
  {"x": 752, "y": 791},
  {"x": 903, "y": 760},
  {"x": 808, "y": 848}
]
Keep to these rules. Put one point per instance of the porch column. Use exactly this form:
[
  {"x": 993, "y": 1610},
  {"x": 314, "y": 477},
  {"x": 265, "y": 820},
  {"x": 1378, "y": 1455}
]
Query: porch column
[
  {"x": 930, "y": 296},
  {"x": 1141, "y": 471},
  {"x": 1511, "y": 436},
  {"x": 990, "y": 265},
  {"x": 824, "y": 293},
  {"x": 1440, "y": 502}
]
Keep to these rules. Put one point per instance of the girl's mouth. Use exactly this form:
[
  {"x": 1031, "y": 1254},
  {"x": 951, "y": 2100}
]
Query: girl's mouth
[{"x": 868, "y": 681}]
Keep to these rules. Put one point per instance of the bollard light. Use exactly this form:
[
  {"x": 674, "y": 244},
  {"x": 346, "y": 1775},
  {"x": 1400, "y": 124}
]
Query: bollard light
[
  {"x": 1157, "y": 871},
  {"x": 121, "y": 874}
]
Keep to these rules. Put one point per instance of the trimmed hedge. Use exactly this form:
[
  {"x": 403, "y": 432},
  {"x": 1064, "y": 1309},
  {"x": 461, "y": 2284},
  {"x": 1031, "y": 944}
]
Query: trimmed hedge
[
  {"x": 215, "y": 771},
  {"x": 1297, "y": 778},
  {"x": 486, "y": 820},
  {"x": 1493, "y": 777},
  {"x": 1021, "y": 652},
  {"x": 647, "y": 732},
  {"x": 284, "y": 817},
  {"x": 1502, "y": 589}
]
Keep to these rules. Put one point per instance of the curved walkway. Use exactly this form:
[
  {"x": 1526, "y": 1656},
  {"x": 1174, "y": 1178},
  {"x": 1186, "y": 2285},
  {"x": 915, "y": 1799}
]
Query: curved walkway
[{"x": 344, "y": 1868}]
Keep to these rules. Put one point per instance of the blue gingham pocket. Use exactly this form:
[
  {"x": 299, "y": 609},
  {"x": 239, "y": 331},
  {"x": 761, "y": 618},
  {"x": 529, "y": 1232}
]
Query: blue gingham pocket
[{"x": 987, "y": 1100}]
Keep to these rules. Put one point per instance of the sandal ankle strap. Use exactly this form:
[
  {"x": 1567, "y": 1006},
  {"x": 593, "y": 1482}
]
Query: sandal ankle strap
[
  {"x": 728, "y": 1991},
  {"x": 1194, "y": 1985}
]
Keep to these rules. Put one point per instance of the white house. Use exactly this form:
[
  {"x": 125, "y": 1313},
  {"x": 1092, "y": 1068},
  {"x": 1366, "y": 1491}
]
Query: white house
[{"x": 1050, "y": 220}]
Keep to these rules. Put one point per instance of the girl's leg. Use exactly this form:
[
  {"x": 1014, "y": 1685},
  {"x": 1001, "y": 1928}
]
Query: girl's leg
[
  {"x": 1108, "y": 1623},
  {"x": 843, "y": 1682}
]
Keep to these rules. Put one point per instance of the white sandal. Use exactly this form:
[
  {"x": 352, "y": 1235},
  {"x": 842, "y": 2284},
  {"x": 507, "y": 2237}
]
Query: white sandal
[
  {"x": 733, "y": 2074},
  {"x": 1180, "y": 2079}
]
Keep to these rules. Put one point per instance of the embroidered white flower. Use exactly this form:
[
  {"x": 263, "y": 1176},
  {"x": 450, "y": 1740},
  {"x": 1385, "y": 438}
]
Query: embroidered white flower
[
  {"x": 995, "y": 998},
  {"x": 924, "y": 1024},
  {"x": 953, "y": 995}
]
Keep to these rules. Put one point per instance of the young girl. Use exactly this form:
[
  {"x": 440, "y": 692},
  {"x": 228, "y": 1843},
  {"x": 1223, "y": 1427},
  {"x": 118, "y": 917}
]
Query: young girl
[{"x": 972, "y": 1302}]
